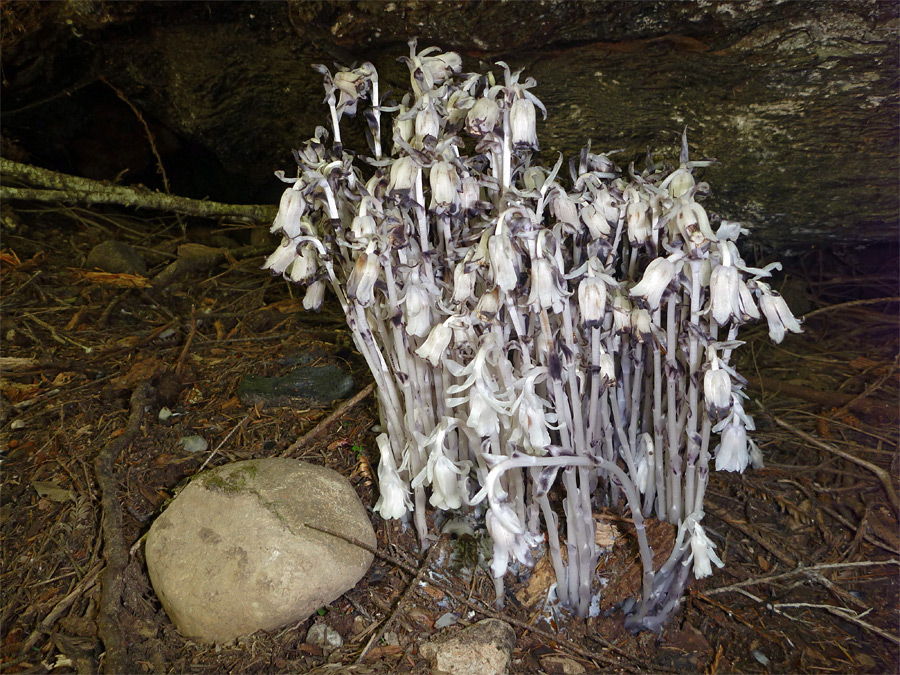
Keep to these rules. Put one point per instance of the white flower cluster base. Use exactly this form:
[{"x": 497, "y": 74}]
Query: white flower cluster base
[{"x": 530, "y": 336}]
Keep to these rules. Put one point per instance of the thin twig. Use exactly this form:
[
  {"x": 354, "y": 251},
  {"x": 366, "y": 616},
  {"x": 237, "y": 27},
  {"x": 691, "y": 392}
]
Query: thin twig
[
  {"x": 799, "y": 570},
  {"x": 841, "y": 612},
  {"x": 316, "y": 430},
  {"x": 852, "y": 303},
  {"x": 883, "y": 476},
  {"x": 230, "y": 434},
  {"x": 407, "y": 594},
  {"x": 86, "y": 583}
]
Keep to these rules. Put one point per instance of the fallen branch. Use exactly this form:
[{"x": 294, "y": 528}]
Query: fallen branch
[
  {"x": 827, "y": 399},
  {"x": 115, "y": 552},
  {"x": 316, "y": 430},
  {"x": 67, "y": 189}
]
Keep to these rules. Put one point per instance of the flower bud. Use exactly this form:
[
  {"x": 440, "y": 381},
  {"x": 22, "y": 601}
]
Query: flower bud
[
  {"x": 361, "y": 283},
  {"x": 403, "y": 174},
  {"x": 315, "y": 294}
]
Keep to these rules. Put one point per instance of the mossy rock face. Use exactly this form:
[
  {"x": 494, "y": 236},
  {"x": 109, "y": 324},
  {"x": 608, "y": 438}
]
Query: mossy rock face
[{"x": 232, "y": 554}]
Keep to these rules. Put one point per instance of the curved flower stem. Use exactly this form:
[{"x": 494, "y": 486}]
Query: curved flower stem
[{"x": 693, "y": 440}]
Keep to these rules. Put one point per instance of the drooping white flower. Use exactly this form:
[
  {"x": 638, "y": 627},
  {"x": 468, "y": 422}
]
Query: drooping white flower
[
  {"x": 403, "y": 174},
  {"x": 733, "y": 454},
  {"x": 725, "y": 294},
  {"x": 361, "y": 282},
  {"x": 522, "y": 123},
  {"x": 717, "y": 391},
  {"x": 304, "y": 266},
  {"x": 702, "y": 551},
  {"x": 545, "y": 290},
  {"x": 483, "y": 117},
  {"x": 503, "y": 260},
  {"x": 656, "y": 279},
  {"x": 290, "y": 210},
  {"x": 641, "y": 325},
  {"x": 621, "y": 314},
  {"x": 418, "y": 304},
  {"x": 394, "y": 501},
  {"x": 593, "y": 217},
  {"x": 779, "y": 316},
  {"x": 315, "y": 294},
  {"x": 592, "y": 301},
  {"x": 510, "y": 539},
  {"x": 444, "y": 184},
  {"x": 640, "y": 229},
  {"x": 463, "y": 282},
  {"x": 432, "y": 350},
  {"x": 281, "y": 257}
]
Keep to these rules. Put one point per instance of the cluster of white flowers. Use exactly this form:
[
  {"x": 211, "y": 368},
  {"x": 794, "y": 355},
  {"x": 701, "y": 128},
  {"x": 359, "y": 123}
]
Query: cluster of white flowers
[{"x": 522, "y": 331}]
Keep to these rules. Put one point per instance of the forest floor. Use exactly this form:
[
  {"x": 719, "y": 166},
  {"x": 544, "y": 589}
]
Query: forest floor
[{"x": 810, "y": 542}]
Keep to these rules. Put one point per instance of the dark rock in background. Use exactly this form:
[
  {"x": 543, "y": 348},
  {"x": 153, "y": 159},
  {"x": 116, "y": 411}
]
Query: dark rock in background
[{"x": 797, "y": 100}]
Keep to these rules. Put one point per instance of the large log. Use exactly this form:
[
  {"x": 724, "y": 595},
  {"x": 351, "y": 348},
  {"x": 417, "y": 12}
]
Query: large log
[{"x": 797, "y": 100}]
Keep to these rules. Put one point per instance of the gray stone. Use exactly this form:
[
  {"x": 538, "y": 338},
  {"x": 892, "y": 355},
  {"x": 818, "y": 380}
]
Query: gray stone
[
  {"x": 484, "y": 648},
  {"x": 232, "y": 554},
  {"x": 319, "y": 383},
  {"x": 116, "y": 257}
]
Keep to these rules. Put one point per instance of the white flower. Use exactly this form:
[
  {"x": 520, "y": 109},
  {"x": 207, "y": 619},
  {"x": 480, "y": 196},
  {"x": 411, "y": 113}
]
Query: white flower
[
  {"x": 678, "y": 182},
  {"x": 592, "y": 301},
  {"x": 363, "y": 226},
  {"x": 290, "y": 211},
  {"x": 656, "y": 279},
  {"x": 444, "y": 183},
  {"x": 432, "y": 350},
  {"x": 545, "y": 290},
  {"x": 522, "y": 121},
  {"x": 717, "y": 392},
  {"x": 503, "y": 260},
  {"x": 638, "y": 220},
  {"x": 725, "y": 294},
  {"x": 418, "y": 310},
  {"x": 447, "y": 483},
  {"x": 488, "y": 305},
  {"x": 641, "y": 325},
  {"x": 748, "y": 307},
  {"x": 304, "y": 265},
  {"x": 394, "y": 500},
  {"x": 529, "y": 408},
  {"x": 621, "y": 314},
  {"x": 593, "y": 216},
  {"x": 403, "y": 174},
  {"x": 483, "y": 418},
  {"x": 361, "y": 282},
  {"x": 607, "y": 367},
  {"x": 463, "y": 282},
  {"x": 779, "y": 316},
  {"x": 509, "y": 537},
  {"x": 483, "y": 117},
  {"x": 281, "y": 257},
  {"x": 732, "y": 454},
  {"x": 702, "y": 551},
  {"x": 315, "y": 294},
  {"x": 428, "y": 122}
]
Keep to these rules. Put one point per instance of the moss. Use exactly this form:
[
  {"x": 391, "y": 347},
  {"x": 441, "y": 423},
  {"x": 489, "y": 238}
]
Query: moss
[{"x": 232, "y": 481}]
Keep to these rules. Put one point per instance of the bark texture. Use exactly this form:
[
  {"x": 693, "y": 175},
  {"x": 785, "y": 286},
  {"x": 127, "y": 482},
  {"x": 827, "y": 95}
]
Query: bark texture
[{"x": 798, "y": 100}]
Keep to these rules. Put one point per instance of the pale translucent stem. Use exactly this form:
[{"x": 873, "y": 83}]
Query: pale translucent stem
[
  {"x": 673, "y": 456},
  {"x": 693, "y": 440}
]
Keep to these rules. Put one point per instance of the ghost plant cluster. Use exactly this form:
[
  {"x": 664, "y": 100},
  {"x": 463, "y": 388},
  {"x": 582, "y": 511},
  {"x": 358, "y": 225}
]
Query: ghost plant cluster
[{"x": 529, "y": 337}]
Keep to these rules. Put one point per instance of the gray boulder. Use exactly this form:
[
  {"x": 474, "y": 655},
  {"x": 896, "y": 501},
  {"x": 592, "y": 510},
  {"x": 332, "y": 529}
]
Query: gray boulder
[
  {"x": 484, "y": 648},
  {"x": 232, "y": 554}
]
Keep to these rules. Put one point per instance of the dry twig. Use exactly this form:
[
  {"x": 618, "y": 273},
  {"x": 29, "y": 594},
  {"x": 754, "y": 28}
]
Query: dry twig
[{"x": 311, "y": 435}]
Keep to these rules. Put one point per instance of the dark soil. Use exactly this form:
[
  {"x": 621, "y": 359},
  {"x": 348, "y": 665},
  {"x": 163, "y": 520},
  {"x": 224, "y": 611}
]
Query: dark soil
[{"x": 810, "y": 542}]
